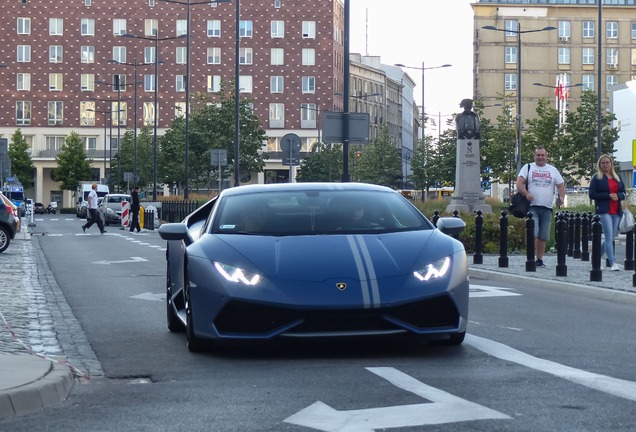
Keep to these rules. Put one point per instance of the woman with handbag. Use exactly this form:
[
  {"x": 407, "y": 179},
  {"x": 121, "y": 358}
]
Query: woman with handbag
[{"x": 608, "y": 190}]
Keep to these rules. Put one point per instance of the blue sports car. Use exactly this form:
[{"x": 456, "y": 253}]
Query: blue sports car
[{"x": 307, "y": 260}]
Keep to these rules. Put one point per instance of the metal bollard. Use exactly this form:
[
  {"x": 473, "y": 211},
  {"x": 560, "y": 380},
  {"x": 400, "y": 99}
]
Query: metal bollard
[
  {"x": 570, "y": 235},
  {"x": 629, "y": 250},
  {"x": 585, "y": 237},
  {"x": 577, "y": 236},
  {"x": 561, "y": 231},
  {"x": 435, "y": 217},
  {"x": 455, "y": 215},
  {"x": 503, "y": 239},
  {"x": 596, "y": 274},
  {"x": 478, "y": 257},
  {"x": 531, "y": 264}
]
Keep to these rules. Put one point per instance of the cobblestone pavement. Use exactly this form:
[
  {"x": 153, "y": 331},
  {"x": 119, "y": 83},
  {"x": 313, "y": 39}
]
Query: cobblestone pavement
[{"x": 34, "y": 314}]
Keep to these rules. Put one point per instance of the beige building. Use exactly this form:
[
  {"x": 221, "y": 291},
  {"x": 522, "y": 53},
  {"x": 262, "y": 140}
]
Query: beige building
[{"x": 568, "y": 52}]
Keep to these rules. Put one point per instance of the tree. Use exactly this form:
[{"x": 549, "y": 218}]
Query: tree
[
  {"x": 420, "y": 164},
  {"x": 21, "y": 164},
  {"x": 379, "y": 162},
  {"x": 72, "y": 165},
  {"x": 323, "y": 164},
  {"x": 145, "y": 157}
]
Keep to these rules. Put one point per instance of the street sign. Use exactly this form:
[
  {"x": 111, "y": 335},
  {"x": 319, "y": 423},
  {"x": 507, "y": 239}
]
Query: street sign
[
  {"x": 290, "y": 143},
  {"x": 218, "y": 157},
  {"x": 333, "y": 127},
  {"x": 129, "y": 177},
  {"x": 295, "y": 161}
]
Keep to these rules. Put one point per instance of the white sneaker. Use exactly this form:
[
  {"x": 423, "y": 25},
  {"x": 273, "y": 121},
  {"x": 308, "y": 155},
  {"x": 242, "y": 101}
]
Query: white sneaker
[{"x": 615, "y": 267}]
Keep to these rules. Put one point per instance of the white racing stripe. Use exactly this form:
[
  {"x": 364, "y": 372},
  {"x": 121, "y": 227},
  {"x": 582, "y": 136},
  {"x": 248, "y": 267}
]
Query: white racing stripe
[{"x": 364, "y": 283}]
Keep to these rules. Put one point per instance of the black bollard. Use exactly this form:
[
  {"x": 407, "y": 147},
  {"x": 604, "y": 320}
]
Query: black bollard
[
  {"x": 503, "y": 239},
  {"x": 570, "y": 228},
  {"x": 435, "y": 217},
  {"x": 478, "y": 257},
  {"x": 629, "y": 250},
  {"x": 596, "y": 274},
  {"x": 577, "y": 236},
  {"x": 455, "y": 215},
  {"x": 531, "y": 264},
  {"x": 561, "y": 231},
  {"x": 585, "y": 237}
]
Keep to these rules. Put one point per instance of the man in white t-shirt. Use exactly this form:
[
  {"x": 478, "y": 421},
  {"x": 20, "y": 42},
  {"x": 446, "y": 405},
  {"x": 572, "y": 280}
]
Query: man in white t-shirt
[
  {"x": 542, "y": 179},
  {"x": 92, "y": 211}
]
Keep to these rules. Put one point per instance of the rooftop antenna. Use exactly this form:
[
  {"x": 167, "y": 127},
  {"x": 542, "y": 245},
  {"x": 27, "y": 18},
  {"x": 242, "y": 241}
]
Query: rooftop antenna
[{"x": 366, "y": 32}]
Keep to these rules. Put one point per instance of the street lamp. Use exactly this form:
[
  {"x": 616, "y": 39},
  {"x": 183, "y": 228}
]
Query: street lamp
[
  {"x": 156, "y": 39},
  {"x": 423, "y": 68},
  {"x": 560, "y": 94},
  {"x": 518, "y": 32}
]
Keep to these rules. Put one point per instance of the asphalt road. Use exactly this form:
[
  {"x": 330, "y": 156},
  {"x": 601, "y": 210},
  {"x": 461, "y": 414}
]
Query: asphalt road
[{"x": 535, "y": 359}]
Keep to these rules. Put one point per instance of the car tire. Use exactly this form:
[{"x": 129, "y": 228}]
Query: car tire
[
  {"x": 174, "y": 323},
  {"x": 5, "y": 239},
  {"x": 194, "y": 343}
]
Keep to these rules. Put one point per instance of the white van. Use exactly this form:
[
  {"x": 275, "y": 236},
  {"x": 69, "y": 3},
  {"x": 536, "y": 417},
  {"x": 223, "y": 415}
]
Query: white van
[{"x": 83, "y": 190}]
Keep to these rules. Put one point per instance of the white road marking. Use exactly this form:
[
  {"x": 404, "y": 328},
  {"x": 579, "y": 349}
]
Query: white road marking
[
  {"x": 488, "y": 291},
  {"x": 443, "y": 408},
  {"x": 150, "y": 296},
  {"x": 134, "y": 259},
  {"x": 614, "y": 386}
]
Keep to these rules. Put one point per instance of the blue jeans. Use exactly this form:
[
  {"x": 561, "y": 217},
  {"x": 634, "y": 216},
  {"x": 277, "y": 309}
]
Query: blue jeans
[{"x": 609, "y": 222}]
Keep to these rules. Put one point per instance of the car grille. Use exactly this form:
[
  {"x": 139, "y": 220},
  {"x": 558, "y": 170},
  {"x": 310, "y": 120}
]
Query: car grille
[{"x": 244, "y": 317}]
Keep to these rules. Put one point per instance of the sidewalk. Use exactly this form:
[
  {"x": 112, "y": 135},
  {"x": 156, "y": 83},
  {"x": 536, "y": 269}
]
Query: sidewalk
[{"x": 29, "y": 383}]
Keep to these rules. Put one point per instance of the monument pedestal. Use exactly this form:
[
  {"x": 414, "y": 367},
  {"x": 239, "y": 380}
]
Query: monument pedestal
[{"x": 468, "y": 196}]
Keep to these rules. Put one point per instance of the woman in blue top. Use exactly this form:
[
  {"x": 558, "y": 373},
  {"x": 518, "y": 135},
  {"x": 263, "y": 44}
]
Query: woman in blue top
[{"x": 608, "y": 190}]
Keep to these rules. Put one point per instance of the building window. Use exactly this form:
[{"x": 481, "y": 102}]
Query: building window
[
  {"x": 180, "y": 83},
  {"x": 24, "y": 26},
  {"x": 152, "y": 3},
  {"x": 23, "y": 113},
  {"x": 564, "y": 29},
  {"x": 588, "y": 29},
  {"x": 182, "y": 28},
  {"x": 23, "y": 82},
  {"x": 180, "y": 55},
  {"x": 246, "y": 56},
  {"x": 610, "y": 81},
  {"x": 56, "y": 82},
  {"x": 564, "y": 56},
  {"x": 119, "y": 83},
  {"x": 149, "y": 113},
  {"x": 309, "y": 84},
  {"x": 120, "y": 110},
  {"x": 149, "y": 55},
  {"x": 119, "y": 26},
  {"x": 56, "y": 113},
  {"x": 309, "y": 57},
  {"x": 54, "y": 143},
  {"x": 633, "y": 50},
  {"x": 55, "y": 54},
  {"x": 309, "y": 29},
  {"x": 511, "y": 27},
  {"x": 88, "y": 82},
  {"x": 88, "y": 27},
  {"x": 278, "y": 29},
  {"x": 24, "y": 53},
  {"x": 214, "y": 55},
  {"x": 88, "y": 54},
  {"x": 119, "y": 54},
  {"x": 245, "y": 29},
  {"x": 308, "y": 115},
  {"x": 214, "y": 83},
  {"x": 277, "y": 56},
  {"x": 150, "y": 27},
  {"x": 611, "y": 57},
  {"x": 510, "y": 82},
  {"x": 214, "y": 28},
  {"x": 87, "y": 113},
  {"x": 611, "y": 30},
  {"x": 245, "y": 84},
  {"x": 179, "y": 109},
  {"x": 510, "y": 55},
  {"x": 89, "y": 143},
  {"x": 56, "y": 26},
  {"x": 88, "y": 2},
  {"x": 149, "y": 82},
  {"x": 276, "y": 84},
  {"x": 588, "y": 82},
  {"x": 276, "y": 115},
  {"x": 277, "y": 4},
  {"x": 588, "y": 56}
]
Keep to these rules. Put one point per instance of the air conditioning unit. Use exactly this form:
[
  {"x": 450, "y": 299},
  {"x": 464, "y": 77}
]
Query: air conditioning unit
[
  {"x": 612, "y": 65},
  {"x": 565, "y": 39}
]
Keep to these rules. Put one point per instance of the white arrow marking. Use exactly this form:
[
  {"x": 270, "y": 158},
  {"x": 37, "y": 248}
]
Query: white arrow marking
[
  {"x": 134, "y": 259},
  {"x": 488, "y": 291},
  {"x": 444, "y": 408},
  {"x": 150, "y": 296}
]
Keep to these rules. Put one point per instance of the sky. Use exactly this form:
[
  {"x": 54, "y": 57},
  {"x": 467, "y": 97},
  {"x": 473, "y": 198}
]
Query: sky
[{"x": 410, "y": 32}]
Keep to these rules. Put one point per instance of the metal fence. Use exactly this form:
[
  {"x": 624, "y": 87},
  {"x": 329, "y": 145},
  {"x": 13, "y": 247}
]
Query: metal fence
[{"x": 176, "y": 211}]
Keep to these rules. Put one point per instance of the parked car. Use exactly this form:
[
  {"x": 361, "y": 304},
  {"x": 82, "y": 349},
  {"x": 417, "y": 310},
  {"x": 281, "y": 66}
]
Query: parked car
[
  {"x": 38, "y": 208},
  {"x": 110, "y": 208},
  {"x": 310, "y": 260},
  {"x": 9, "y": 222}
]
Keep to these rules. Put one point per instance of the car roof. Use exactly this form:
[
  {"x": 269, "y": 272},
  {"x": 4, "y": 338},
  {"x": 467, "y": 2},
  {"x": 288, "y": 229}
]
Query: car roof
[
  {"x": 295, "y": 187},
  {"x": 7, "y": 201}
]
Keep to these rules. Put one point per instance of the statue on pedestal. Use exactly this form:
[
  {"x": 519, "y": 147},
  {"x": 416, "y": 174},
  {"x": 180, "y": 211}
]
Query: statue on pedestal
[{"x": 467, "y": 121}]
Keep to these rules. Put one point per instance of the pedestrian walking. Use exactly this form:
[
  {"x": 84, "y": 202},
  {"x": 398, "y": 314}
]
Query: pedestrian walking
[
  {"x": 542, "y": 179},
  {"x": 608, "y": 190},
  {"x": 134, "y": 209},
  {"x": 92, "y": 211}
]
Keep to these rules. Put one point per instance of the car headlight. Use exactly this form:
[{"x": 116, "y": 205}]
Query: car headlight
[
  {"x": 110, "y": 211},
  {"x": 238, "y": 275},
  {"x": 434, "y": 270}
]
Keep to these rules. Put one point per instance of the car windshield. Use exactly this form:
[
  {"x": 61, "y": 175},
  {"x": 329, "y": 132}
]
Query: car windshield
[
  {"x": 317, "y": 212},
  {"x": 118, "y": 199}
]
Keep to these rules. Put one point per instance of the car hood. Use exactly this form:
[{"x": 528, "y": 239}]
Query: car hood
[{"x": 322, "y": 257}]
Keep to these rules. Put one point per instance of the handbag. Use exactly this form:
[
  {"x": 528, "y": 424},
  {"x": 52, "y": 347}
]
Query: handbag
[
  {"x": 627, "y": 222},
  {"x": 519, "y": 204}
]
